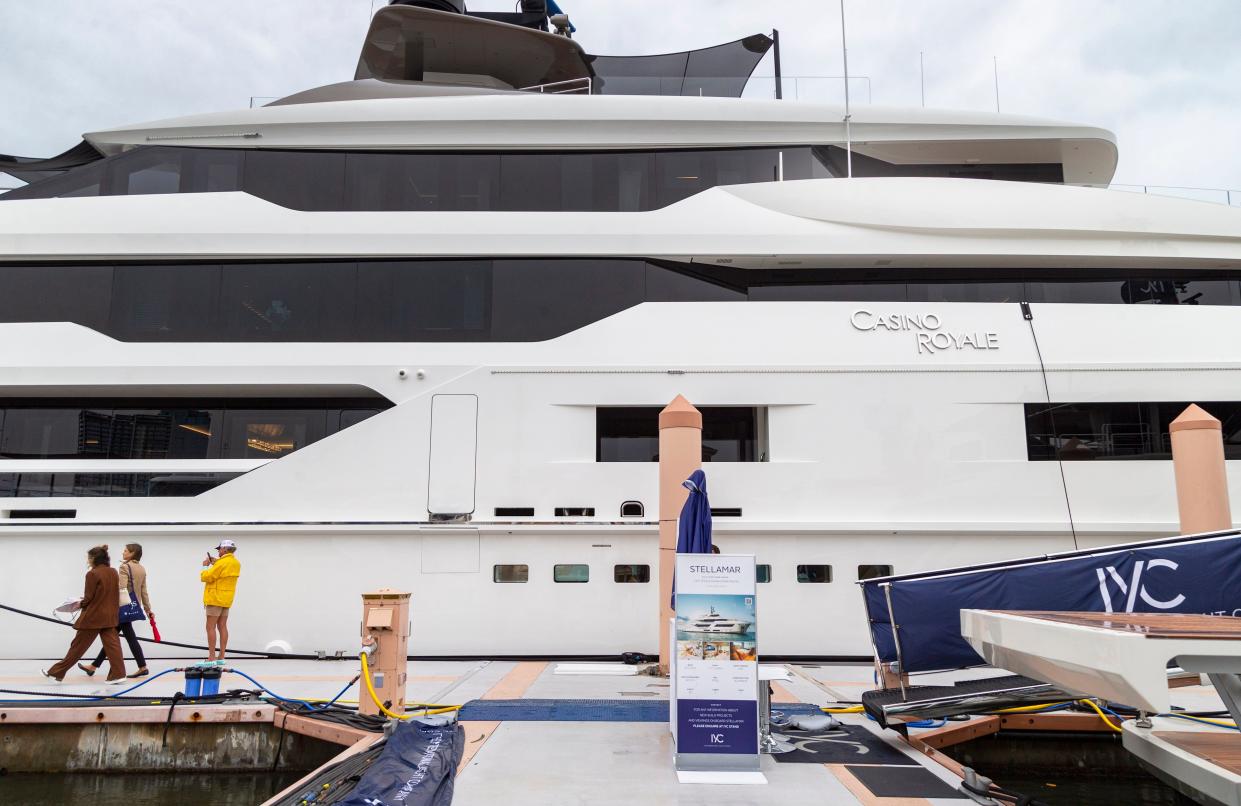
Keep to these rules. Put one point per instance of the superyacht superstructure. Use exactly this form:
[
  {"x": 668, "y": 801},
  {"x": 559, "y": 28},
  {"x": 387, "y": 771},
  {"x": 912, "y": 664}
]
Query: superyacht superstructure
[{"x": 415, "y": 329}]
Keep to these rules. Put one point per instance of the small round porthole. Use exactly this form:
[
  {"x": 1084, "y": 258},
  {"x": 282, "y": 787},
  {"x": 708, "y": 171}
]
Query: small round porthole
[{"x": 632, "y": 509}]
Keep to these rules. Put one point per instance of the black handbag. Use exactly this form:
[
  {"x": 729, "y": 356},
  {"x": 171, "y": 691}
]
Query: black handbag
[{"x": 133, "y": 611}]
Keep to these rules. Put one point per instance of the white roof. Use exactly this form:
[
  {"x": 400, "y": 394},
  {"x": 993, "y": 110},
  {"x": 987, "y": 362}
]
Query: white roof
[{"x": 535, "y": 121}]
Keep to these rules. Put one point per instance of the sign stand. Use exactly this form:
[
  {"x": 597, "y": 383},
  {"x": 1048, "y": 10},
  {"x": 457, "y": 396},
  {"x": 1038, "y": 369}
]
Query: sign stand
[{"x": 714, "y": 713}]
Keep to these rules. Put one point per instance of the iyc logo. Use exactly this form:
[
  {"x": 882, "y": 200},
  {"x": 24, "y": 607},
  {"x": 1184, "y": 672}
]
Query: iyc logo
[{"x": 1130, "y": 591}]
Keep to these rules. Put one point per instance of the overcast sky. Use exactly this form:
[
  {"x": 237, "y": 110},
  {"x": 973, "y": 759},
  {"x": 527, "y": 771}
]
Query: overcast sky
[{"x": 1164, "y": 75}]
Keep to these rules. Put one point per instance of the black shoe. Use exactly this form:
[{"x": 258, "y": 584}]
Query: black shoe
[
  {"x": 90, "y": 670},
  {"x": 143, "y": 672}
]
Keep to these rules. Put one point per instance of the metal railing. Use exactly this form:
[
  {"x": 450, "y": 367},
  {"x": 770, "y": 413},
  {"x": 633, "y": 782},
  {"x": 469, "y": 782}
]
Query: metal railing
[{"x": 571, "y": 86}]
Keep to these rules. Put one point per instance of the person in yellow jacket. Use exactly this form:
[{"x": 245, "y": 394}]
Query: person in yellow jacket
[{"x": 220, "y": 577}]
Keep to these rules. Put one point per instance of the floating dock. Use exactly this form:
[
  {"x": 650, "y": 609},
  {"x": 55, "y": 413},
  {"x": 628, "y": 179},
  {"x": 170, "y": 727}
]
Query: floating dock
[{"x": 533, "y": 736}]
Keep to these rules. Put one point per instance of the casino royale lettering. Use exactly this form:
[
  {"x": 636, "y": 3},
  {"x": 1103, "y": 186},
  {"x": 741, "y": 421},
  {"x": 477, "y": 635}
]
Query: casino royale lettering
[{"x": 927, "y": 329}]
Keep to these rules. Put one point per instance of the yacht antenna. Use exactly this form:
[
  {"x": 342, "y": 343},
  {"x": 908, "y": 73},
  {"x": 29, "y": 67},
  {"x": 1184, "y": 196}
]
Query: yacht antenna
[
  {"x": 922, "y": 77},
  {"x": 844, "y": 51},
  {"x": 995, "y": 65}
]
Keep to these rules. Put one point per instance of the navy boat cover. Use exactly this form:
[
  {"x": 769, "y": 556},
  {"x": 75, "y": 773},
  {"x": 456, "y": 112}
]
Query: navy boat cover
[
  {"x": 418, "y": 767},
  {"x": 1190, "y": 574}
]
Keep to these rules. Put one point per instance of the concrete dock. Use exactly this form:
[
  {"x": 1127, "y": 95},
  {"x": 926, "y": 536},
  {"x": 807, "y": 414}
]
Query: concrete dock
[{"x": 522, "y": 762}]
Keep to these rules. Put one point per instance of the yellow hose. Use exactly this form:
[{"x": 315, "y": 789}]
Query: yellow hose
[
  {"x": 370, "y": 688},
  {"x": 853, "y": 709},
  {"x": 1102, "y": 715}
]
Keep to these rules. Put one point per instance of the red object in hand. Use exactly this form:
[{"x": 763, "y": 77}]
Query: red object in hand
[{"x": 154, "y": 629}]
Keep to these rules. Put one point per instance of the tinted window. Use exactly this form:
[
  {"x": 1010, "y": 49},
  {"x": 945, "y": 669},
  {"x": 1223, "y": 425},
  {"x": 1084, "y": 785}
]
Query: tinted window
[
  {"x": 1112, "y": 291},
  {"x": 287, "y": 302},
  {"x": 446, "y": 300},
  {"x": 1179, "y": 292},
  {"x": 666, "y": 285},
  {"x": 422, "y": 182},
  {"x": 681, "y": 174},
  {"x": 1086, "y": 431},
  {"x": 631, "y": 573},
  {"x": 847, "y": 292},
  {"x": 762, "y": 573},
  {"x": 137, "y": 429},
  {"x": 270, "y": 434},
  {"x": 96, "y": 485},
  {"x": 542, "y": 299},
  {"x": 165, "y": 303},
  {"x": 299, "y": 180},
  {"x": 966, "y": 292},
  {"x": 146, "y": 171},
  {"x": 43, "y": 293},
  {"x": 631, "y": 434},
  {"x": 510, "y": 573},
  {"x": 571, "y": 573},
  {"x": 814, "y": 574},
  {"x": 873, "y": 571}
]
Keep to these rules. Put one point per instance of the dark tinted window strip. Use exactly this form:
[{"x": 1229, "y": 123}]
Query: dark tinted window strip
[
  {"x": 186, "y": 428},
  {"x": 622, "y": 181},
  {"x": 42, "y": 513},
  {"x": 519, "y": 300},
  {"x": 107, "y": 485},
  {"x": 1117, "y": 431}
]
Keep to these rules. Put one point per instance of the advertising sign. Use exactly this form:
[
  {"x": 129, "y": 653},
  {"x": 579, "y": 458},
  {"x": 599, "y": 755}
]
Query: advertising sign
[{"x": 716, "y": 663}]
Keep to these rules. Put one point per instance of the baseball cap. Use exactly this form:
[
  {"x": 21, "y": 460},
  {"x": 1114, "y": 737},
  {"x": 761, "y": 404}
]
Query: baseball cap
[{"x": 226, "y": 544}]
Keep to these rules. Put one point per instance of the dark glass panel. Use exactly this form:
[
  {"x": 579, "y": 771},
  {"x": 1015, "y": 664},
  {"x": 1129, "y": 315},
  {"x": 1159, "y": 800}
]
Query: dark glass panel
[
  {"x": 574, "y": 573},
  {"x": 1072, "y": 431},
  {"x": 1178, "y": 292},
  {"x": 84, "y": 181},
  {"x": 681, "y": 174},
  {"x": 299, "y": 180},
  {"x": 510, "y": 573},
  {"x": 56, "y": 433},
  {"x": 166, "y": 434},
  {"x": 350, "y": 417},
  {"x": 627, "y": 434},
  {"x": 631, "y": 434},
  {"x": 814, "y": 574},
  {"x": 165, "y": 303},
  {"x": 79, "y": 294},
  {"x": 422, "y": 182},
  {"x": 966, "y": 292},
  {"x": 873, "y": 571},
  {"x": 214, "y": 170},
  {"x": 542, "y": 299},
  {"x": 287, "y": 302},
  {"x": 631, "y": 573},
  {"x": 666, "y": 285},
  {"x": 837, "y": 292},
  {"x": 446, "y": 300},
  {"x": 728, "y": 434},
  {"x": 270, "y": 434},
  {"x": 146, "y": 171},
  {"x": 101, "y": 485},
  {"x": 1107, "y": 292},
  {"x": 762, "y": 573}
]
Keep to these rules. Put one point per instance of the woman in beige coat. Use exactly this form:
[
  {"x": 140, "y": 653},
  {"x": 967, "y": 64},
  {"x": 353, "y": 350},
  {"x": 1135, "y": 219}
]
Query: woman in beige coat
[{"x": 133, "y": 578}]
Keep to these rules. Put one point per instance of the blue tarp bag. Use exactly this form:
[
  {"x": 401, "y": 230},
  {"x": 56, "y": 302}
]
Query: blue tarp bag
[{"x": 417, "y": 767}]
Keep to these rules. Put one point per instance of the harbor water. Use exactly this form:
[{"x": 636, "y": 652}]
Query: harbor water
[{"x": 142, "y": 789}]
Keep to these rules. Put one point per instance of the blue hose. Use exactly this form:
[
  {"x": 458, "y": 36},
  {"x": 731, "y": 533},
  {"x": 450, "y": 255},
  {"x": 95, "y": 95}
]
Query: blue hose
[
  {"x": 150, "y": 679},
  {"x": 303, "y": 703}
]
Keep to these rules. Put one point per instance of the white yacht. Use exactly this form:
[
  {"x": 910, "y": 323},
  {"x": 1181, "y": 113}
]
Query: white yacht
[
  {"x": 414, "y": 330},
  {"x": 713, "y": 622}
]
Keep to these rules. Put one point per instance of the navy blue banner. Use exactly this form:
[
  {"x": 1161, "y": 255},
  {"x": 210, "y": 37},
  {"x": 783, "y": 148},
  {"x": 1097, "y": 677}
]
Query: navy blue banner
[
  {"x": 717, "y": 726},
  {"x": 417, "y": 767},
  {"x": 1177, "y": 575}
]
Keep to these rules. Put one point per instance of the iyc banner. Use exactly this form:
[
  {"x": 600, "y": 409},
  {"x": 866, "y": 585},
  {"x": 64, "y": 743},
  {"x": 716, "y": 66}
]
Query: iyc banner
[{"x": 715, "y": 664}]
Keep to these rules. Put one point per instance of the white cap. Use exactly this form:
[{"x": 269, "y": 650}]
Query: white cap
[{"x": 227, "y": 544}]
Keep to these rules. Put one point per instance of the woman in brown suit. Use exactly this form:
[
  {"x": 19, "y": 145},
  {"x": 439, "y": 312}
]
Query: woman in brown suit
[
  {"x": 134, "y": 582},
  {"x": 98, "y": 619}
]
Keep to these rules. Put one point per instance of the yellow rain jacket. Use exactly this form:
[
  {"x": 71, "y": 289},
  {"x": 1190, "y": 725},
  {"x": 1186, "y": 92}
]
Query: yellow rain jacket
[{"x": 221, "y": 578}]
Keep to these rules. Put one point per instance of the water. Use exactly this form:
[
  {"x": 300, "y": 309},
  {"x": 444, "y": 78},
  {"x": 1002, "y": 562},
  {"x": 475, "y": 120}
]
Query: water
[
  {"x": 1095, "y": 791},
  {"x": 140, "y": 789}
]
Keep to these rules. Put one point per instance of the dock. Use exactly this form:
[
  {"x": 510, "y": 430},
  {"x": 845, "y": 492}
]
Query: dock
[{"x": 534, "y": 736}]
